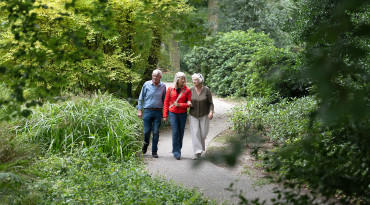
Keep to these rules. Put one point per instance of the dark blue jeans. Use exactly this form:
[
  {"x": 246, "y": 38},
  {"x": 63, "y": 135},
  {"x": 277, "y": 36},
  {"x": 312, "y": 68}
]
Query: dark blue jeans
[
  {"x": 152, "y": 122},
  {"x": 178, "y": 128}
]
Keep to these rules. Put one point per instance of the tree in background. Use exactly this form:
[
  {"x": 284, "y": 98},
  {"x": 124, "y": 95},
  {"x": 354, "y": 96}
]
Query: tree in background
[
  {"x": 43, "y": 47},
  {"x": 156, "y": 20},
  {"x": 53, "y": 46},
  {"x": 191, "y": 28},
  {"x": 270, "y": 16},
  {"x": 213, "y": 11}
]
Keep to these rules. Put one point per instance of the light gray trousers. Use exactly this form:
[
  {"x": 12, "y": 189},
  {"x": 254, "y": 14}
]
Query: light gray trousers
[{"x": 199, "y": 127}]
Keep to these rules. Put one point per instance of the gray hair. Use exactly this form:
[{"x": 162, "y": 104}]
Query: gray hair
[
  {"x": 177, "y": 77},
  {"x": 157, "y": 71},
  {"x": 199, "y": 77}
]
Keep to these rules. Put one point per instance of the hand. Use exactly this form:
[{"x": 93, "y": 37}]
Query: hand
[
  {"x": 164, "y": 119},
  {"x": 210, "y": 115},
  {"x": 190, "y": 104},
  {"x": 176, "y": 104},
  {"x": 140, "y": 114}
]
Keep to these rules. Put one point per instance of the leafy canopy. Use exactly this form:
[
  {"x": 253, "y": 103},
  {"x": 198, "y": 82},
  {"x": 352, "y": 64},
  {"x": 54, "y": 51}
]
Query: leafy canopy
[{"x": 52, "y": 46}]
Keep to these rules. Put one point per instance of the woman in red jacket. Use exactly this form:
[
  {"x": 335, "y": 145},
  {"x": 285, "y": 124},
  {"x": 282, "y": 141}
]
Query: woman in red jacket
[{"x": 175, "y": 106}]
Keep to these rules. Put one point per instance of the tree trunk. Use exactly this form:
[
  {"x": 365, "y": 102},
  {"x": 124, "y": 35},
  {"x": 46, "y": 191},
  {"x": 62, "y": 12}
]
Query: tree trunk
[
  {"x": 128, "y": 63},
  {"x": 129, "y": 85},
  {"x": 153, "y": 55},
  {"x": 213, "y": 15},
  {"x": 175, "y": 54}
]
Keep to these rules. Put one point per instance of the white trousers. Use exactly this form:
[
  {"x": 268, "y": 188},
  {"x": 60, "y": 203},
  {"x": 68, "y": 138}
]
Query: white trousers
[{"x": 199, "y": 127}]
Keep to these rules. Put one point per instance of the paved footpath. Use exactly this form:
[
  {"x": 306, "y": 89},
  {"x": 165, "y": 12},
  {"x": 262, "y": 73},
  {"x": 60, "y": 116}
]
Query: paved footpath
[{"x": 210, "y": 179}]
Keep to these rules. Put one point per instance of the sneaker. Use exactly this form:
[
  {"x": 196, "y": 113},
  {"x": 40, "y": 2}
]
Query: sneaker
[
  {"x": 154, "y": 154},
  {"x": 145, "y": 148},
  {"x": 196, "y": 156},
  {"x": 177, "y": 157}
]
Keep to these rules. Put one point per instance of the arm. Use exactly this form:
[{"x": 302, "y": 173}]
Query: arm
[
  {"x": 166, "y": 103},
  {"x": 190, "y": 103},
  {"x": 140, "y": 102},
  {"x": 210, "y": 104},
  {"x": 164, "y": 94},
  {"x": 187, "y": 100}
]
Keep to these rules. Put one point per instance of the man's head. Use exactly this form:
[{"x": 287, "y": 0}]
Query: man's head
[{"x": 156, "y": 76}]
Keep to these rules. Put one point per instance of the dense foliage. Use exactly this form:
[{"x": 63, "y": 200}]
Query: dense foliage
[
  {"x": 330, "y": 153},
  {"x": 312, "y": 99},
  {"x": 246, "y": 64},
  {"x": 81, "y": 150},
  {"x": 272, "y": 17},
  {"x": 52, "y": 46},
  {"x": 87, "y": 176},
  {"x": 286, "y": 121},
  {"x": 309, "y": 153},
  {"x": 91, "y": 178},
  {"x": 337, "y": 56}
]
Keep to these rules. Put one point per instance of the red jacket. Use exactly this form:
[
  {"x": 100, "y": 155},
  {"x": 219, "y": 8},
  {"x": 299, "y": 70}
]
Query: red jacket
[{"x": 171, "y": 96}]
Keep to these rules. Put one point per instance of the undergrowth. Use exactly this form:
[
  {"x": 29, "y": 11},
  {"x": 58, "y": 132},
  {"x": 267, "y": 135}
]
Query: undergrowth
[
  {"x": 81, "y": 151},
  {"x": 307, "y": 153},
  {"x": 89, "y": 177}
]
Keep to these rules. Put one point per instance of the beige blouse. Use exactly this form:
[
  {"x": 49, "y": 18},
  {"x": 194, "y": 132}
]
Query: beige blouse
[{"x": 202, "y": 103}]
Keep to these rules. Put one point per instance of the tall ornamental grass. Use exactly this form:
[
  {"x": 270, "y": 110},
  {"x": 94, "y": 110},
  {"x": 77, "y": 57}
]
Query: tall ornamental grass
[{"x": 108, "y": 124}]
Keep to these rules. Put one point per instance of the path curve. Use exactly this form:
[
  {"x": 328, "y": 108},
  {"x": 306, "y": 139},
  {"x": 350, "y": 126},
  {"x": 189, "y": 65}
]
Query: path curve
[{"x": 211, "y": 179}]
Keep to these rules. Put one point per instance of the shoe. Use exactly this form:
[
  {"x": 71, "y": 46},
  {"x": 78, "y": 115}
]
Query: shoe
[
  {"x": 145, "y": 148},
  {"x": 177, "y": 157},
  {"x": 196, "y": 156},
  {"x": 154, "y": 154}
]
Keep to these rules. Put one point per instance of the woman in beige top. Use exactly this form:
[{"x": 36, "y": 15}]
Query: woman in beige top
[{"x": 201, "y": 112}]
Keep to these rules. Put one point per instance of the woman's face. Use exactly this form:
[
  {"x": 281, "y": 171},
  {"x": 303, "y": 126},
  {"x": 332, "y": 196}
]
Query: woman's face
[
  {"x": 196, "y": 81},
  {"x": 181, "y": 81}
]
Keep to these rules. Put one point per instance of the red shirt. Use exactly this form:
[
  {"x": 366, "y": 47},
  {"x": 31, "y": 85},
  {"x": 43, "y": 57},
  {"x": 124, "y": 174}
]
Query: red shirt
[{"x": 171, "y": 96}]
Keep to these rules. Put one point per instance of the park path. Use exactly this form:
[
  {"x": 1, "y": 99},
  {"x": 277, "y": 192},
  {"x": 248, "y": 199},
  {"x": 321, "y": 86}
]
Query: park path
[{"x": 210, "y": 179}]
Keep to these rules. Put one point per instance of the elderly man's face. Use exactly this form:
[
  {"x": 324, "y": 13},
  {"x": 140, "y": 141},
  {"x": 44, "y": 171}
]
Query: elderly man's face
[{"x": 156, "y": 78}]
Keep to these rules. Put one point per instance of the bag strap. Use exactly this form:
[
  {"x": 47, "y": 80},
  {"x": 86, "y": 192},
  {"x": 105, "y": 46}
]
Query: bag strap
[{"x": 178, "y": 97}]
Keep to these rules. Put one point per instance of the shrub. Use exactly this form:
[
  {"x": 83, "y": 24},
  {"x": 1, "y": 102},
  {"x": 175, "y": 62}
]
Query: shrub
[
  {"x": 286, "y": 120},
  {"x": 326, "y": 160},
  {"x": 88, "y": 177},
  {"x": 102, "y": 121},
  {"x": 221, "y": 54},
  {"x": 246, "y": 64}
]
